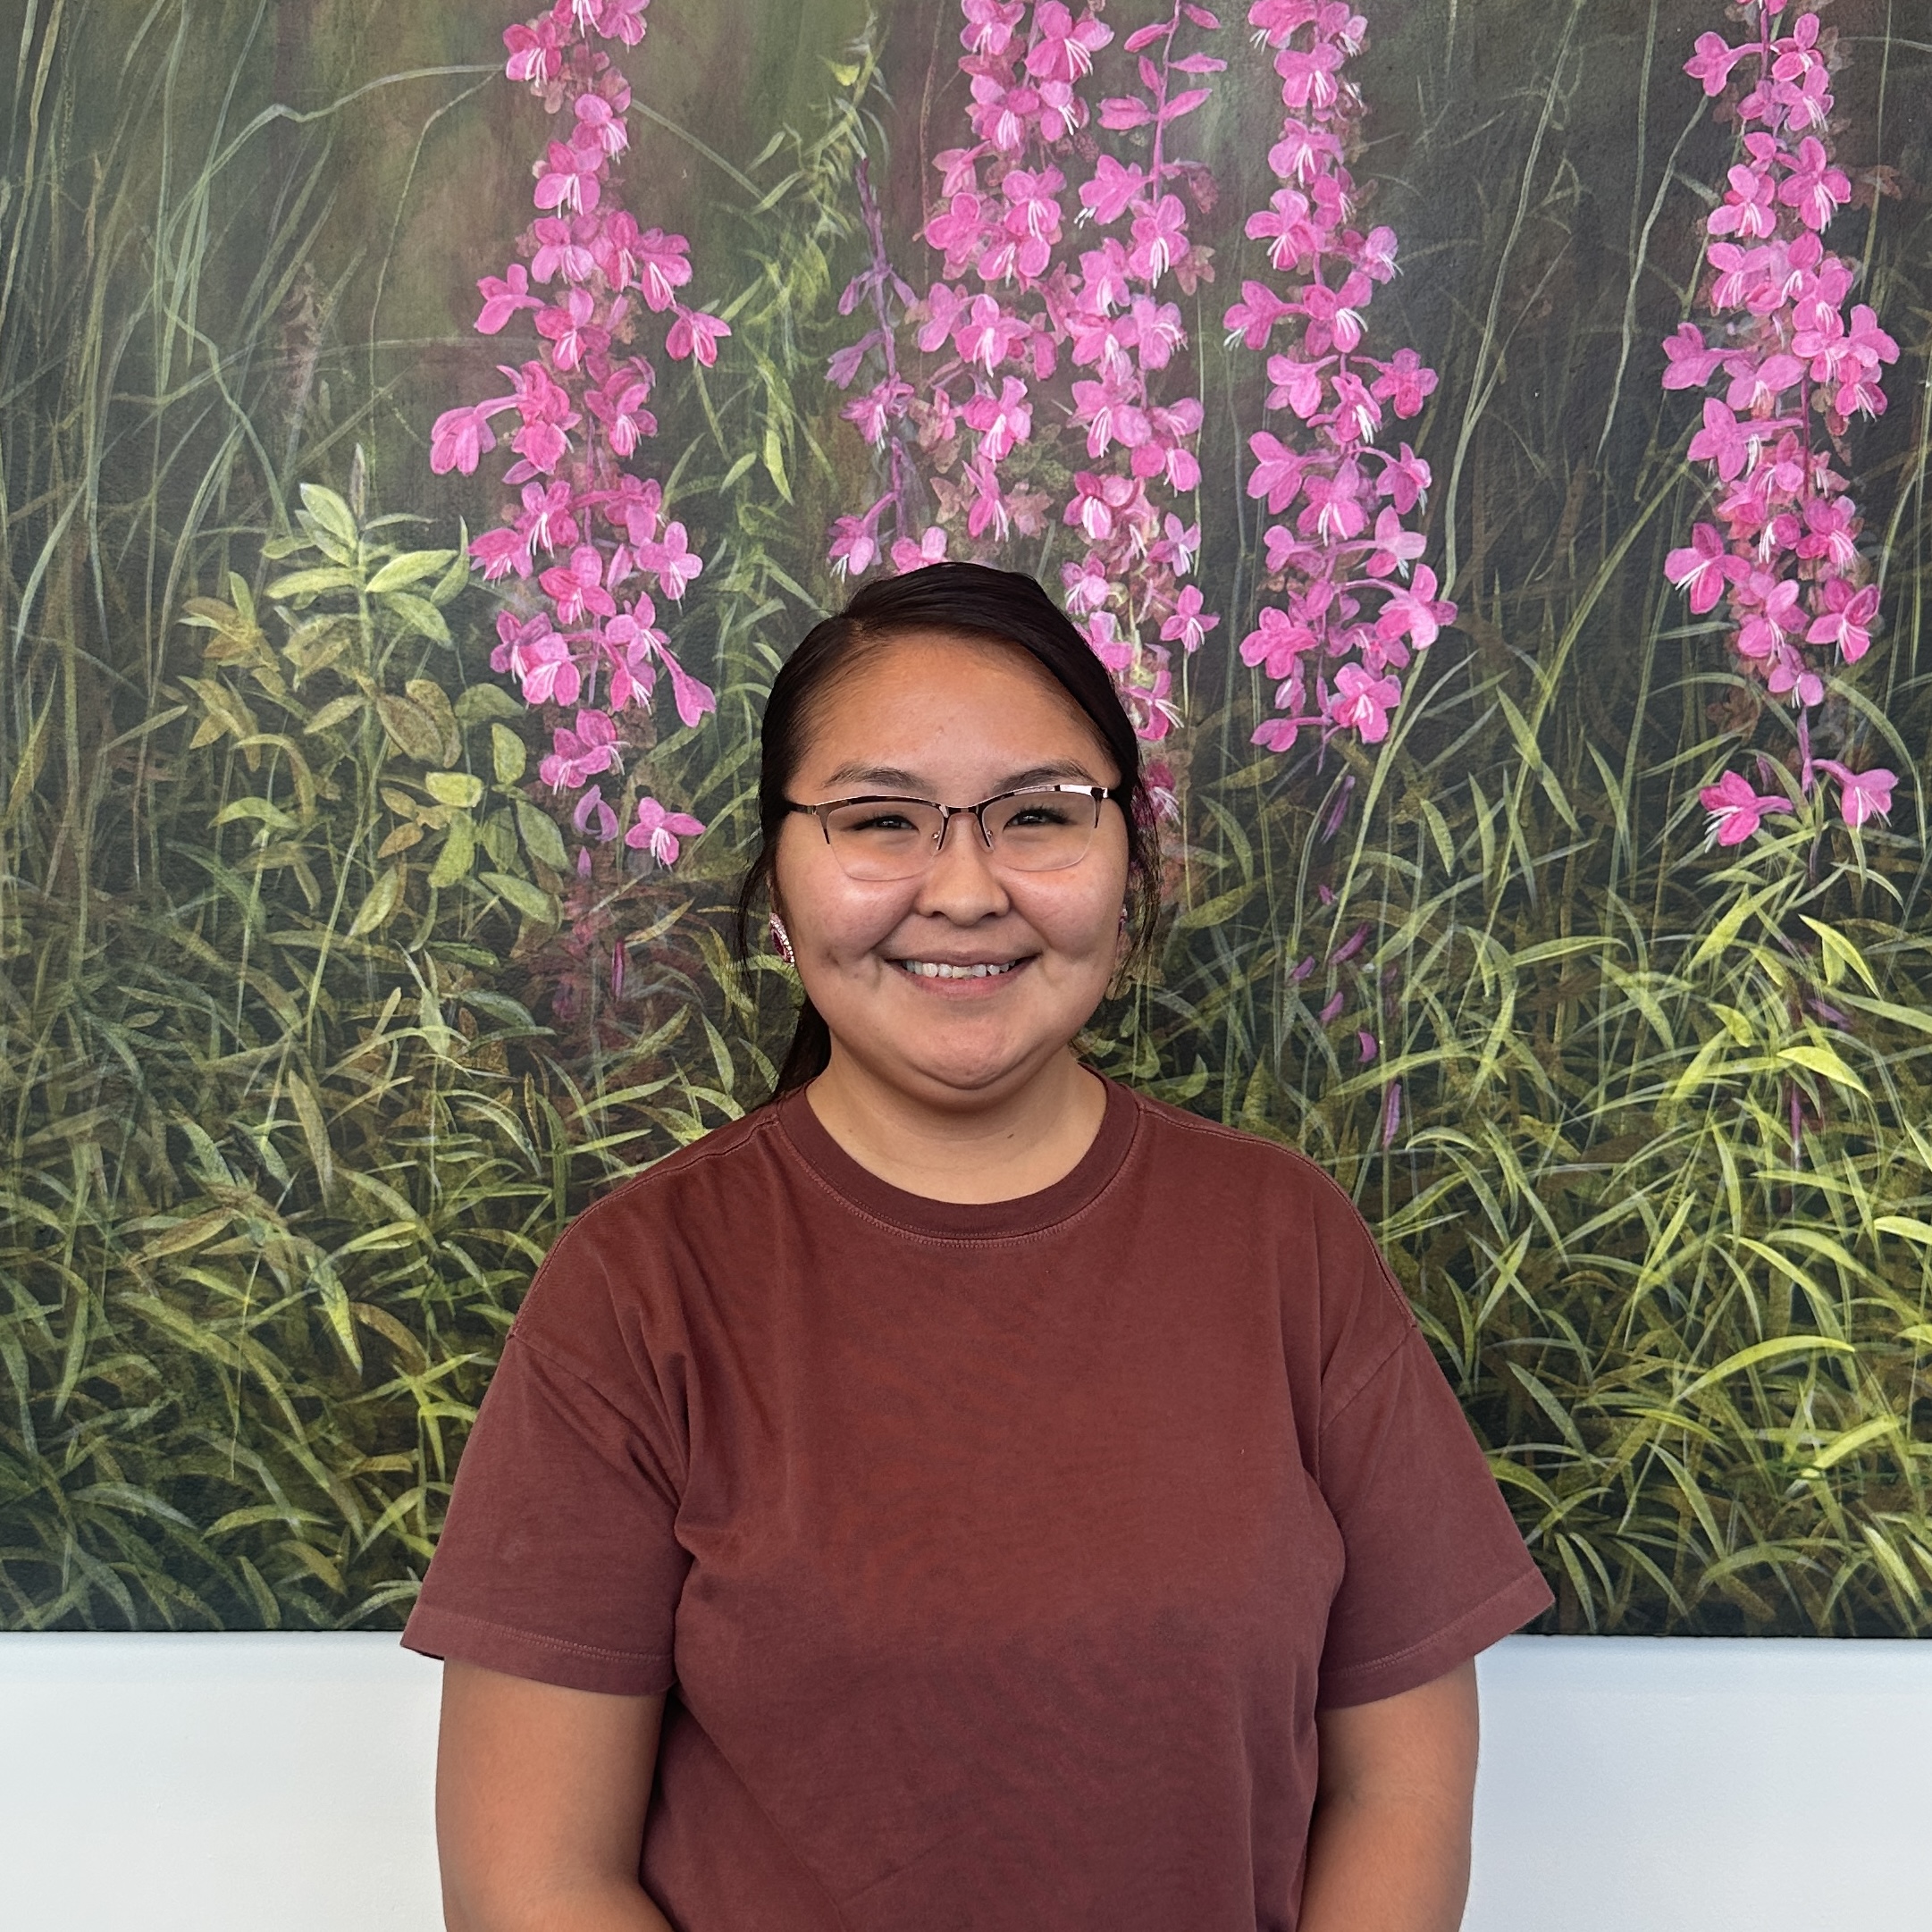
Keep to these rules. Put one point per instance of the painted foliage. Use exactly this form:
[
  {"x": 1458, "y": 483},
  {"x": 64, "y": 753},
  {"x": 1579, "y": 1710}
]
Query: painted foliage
[{"x": 1487, "y": 446}]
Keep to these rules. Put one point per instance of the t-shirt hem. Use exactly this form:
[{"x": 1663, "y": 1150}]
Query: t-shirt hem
[
  {"x": 524, "y": 1653},
  {"x": 1505, "y": 1610}
]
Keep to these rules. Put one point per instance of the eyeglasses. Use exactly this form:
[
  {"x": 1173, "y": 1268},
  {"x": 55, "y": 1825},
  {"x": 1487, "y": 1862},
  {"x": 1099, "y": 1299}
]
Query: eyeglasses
[{"x": 1044, "y": 829}]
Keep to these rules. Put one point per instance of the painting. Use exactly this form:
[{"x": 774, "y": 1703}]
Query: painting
[{"x": 1487, "y": 444}]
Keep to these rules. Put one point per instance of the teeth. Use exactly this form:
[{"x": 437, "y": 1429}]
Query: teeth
[{"x": 933, "y": 969}]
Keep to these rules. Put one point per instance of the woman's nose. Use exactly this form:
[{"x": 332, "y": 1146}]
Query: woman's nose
[{"x": 960, "y": 882}]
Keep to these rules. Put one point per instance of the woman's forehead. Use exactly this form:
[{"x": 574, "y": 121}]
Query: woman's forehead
[{"x": 963, "y": 691}]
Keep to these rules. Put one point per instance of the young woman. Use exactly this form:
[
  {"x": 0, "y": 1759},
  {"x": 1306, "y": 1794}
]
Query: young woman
[{"x": 965, "y": 1493}]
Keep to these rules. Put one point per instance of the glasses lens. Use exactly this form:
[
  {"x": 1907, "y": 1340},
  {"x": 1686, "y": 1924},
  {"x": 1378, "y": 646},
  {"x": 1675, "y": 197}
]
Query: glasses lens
[
  {"x": 1042, "y": 831},
  {"x": 883, "y": 838}
]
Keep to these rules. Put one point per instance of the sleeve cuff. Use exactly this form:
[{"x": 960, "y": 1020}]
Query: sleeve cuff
[
  {"x": 522, "y": 1653},
  {"x": 1509, "y": 1609}
]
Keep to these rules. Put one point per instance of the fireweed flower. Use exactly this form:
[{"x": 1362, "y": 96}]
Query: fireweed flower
[
  {"x": 587, "y": 535},
  {"x": 1335, "y": 559},
  {"x": 1057, "y": 253},
  {"x": 1781, "y": 552}
]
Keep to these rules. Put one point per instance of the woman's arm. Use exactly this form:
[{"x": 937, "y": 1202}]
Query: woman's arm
[
  {"x": 539, "y": 1805},
  {"x": 1389, "y": 1848}
]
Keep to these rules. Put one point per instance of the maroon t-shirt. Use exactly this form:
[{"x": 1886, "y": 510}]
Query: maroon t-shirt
[{"x": 998, "y": 1558}]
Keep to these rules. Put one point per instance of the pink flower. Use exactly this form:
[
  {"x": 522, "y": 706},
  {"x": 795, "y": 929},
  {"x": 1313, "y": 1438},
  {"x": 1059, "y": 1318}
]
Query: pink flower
[
  {"x": 1735, "y": 809},
  {"x": 1861, "y": 794},
  {"x": 989, "y": 335},
  {"x": 1845, "y": 620},
  {"x": 1255, "y": 316},
  {"x": 1396, "y": 547},
  {"x": 1362, "y": 703},
  {"x": 657, "y": 263},
  {"x": 1003, "y": 420},
  {"x": 1187, "y": 625},
  {"x": 1814, "y": 187},
  {"x": 930, "y": 549},
  {"x": 580, "y": 754},
  {"x": 1702, "y": 569},
  {"x": 503, "y": 298},
  {"x": 1063, "y": 50},
  {"x": 672, "y": 560},
  {"x": 568, "y": 178},
  {"x": 692, "y": 698},
  {"x": 1113, "y": 187},
  {"x": 458, "y": 440},
  {"x": 547, "y": 673},
  {"x": 658, "y": 831},
  {"x": 1713, "y": 63},
  {"x": 1404, "y": 480},
  {"x": 1691, "y": 363},
  {"x": 1405, "y": 383},
  {"x": 1279, "y": 640},
  {"x": 694, "y": 334},
  {"x": 1415, "y": 613}
]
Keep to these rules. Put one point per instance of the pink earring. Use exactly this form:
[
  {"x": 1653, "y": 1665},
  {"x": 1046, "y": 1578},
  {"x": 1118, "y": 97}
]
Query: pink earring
[{"x": 782, "y": 941}]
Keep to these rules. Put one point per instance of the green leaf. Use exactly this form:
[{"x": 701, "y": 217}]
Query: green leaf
[
  {"x": 185, "y": 1234},
  {"x": 312, "y": 583},
  {"x": 458, "y": 852},
  {"x": 336, "y": 712},
  {"x": 330, "y": 512},
  {"x": 460, "y": 788},
  {"x": 429, "y": 697},
  {"x": 420, "y": 614},
  {"x": 1212, "y": 911},
  {"x": 453, "y": 579},
  {"x": 476, "y": 703},
  {"x": 1820, "y": 1059},
  {"x": 1776, "y": 1350},
  {"x": 261, "y": 810},
  {"x": 1905, "y": 1226},
  {"x": 541, "y": 839},
  {"x": 531, "y": 900},
  {"x": 508, "y": 755},
  {"x": 411, "y": 730},
  {"x": 384, "y": 896},
  {"x": 773, "y": 453},
  {"x": 411, "y": 567}
]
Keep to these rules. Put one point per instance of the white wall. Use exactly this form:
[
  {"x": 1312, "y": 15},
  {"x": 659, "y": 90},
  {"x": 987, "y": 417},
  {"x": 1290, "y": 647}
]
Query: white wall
[{"x": 230, "y": 1784}]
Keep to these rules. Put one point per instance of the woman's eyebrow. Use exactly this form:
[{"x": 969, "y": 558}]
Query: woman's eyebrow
[{"x": 911, "y": 785}]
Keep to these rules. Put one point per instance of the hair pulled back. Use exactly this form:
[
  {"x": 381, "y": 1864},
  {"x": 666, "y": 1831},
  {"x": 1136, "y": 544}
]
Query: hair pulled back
[{"x": 953, "y": 600}]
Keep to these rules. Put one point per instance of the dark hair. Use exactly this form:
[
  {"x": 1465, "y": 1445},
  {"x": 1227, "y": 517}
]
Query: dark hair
[{"x": 1001, "y": 607}]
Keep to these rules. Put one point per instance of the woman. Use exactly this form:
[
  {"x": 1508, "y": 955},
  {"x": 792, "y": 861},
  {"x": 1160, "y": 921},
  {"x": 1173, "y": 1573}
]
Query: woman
[{"x": 964, "y": 1493}]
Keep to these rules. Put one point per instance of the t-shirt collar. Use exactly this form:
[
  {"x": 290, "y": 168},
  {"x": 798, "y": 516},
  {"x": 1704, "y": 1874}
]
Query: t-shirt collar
[{"x": 956, "y": 1221}]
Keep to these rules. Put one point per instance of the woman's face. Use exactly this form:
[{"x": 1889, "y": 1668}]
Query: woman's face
[{"x": 954, "y": 721}]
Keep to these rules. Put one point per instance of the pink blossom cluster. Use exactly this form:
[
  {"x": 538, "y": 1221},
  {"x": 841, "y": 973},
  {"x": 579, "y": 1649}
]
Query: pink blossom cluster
[
  {"x": 591, "y": 532},
  {"x": 1022, "y": 326},
  {"x": 1782, "y": 555},
  {"x": 1340, "y": 560}
]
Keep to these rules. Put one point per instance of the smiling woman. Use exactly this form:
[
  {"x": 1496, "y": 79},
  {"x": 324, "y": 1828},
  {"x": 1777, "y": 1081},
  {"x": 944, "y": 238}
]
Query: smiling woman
[{"x": 966, "y": 1492}]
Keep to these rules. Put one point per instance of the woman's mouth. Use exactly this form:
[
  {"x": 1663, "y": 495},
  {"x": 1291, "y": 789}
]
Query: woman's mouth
[{"x": 928, "y": 969}]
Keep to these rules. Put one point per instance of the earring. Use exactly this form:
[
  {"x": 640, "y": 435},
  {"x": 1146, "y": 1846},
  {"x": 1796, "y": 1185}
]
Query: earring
[{"x": 782, "y": 941}]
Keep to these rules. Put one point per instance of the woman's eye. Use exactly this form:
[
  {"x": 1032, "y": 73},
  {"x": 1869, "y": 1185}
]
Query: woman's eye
[{"x": 881, "y": 821}]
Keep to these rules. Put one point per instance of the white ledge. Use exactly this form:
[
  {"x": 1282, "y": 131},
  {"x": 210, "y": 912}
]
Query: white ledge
[{"x": 223, "y": 1784}]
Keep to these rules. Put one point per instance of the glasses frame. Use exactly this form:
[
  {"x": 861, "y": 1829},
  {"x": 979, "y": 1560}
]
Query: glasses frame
[{"x": 821, "y": 811}]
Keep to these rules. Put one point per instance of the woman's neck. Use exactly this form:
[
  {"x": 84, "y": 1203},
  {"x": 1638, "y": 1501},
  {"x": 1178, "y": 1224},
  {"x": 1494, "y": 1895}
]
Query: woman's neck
[{"x": 973, "y": 1151}]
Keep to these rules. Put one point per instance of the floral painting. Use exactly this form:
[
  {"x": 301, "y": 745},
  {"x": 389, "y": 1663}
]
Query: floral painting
[{"x": 1487, "y": 446}]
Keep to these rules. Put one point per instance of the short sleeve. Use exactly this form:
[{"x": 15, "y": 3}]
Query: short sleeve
[
  {"x": 1434, "y": 1568},
  {"x": 559, "y": 1559}
]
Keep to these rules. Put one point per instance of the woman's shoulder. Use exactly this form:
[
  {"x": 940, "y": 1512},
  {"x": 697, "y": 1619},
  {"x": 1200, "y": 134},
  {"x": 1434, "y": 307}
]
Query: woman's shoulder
[
  {"x": 1194, "y": 1145},
  {"x": 627, "y": 1247}
]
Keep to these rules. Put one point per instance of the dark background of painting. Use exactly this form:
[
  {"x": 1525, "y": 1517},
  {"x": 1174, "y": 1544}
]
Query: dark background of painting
[{"x": 273, "y": 1186}]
